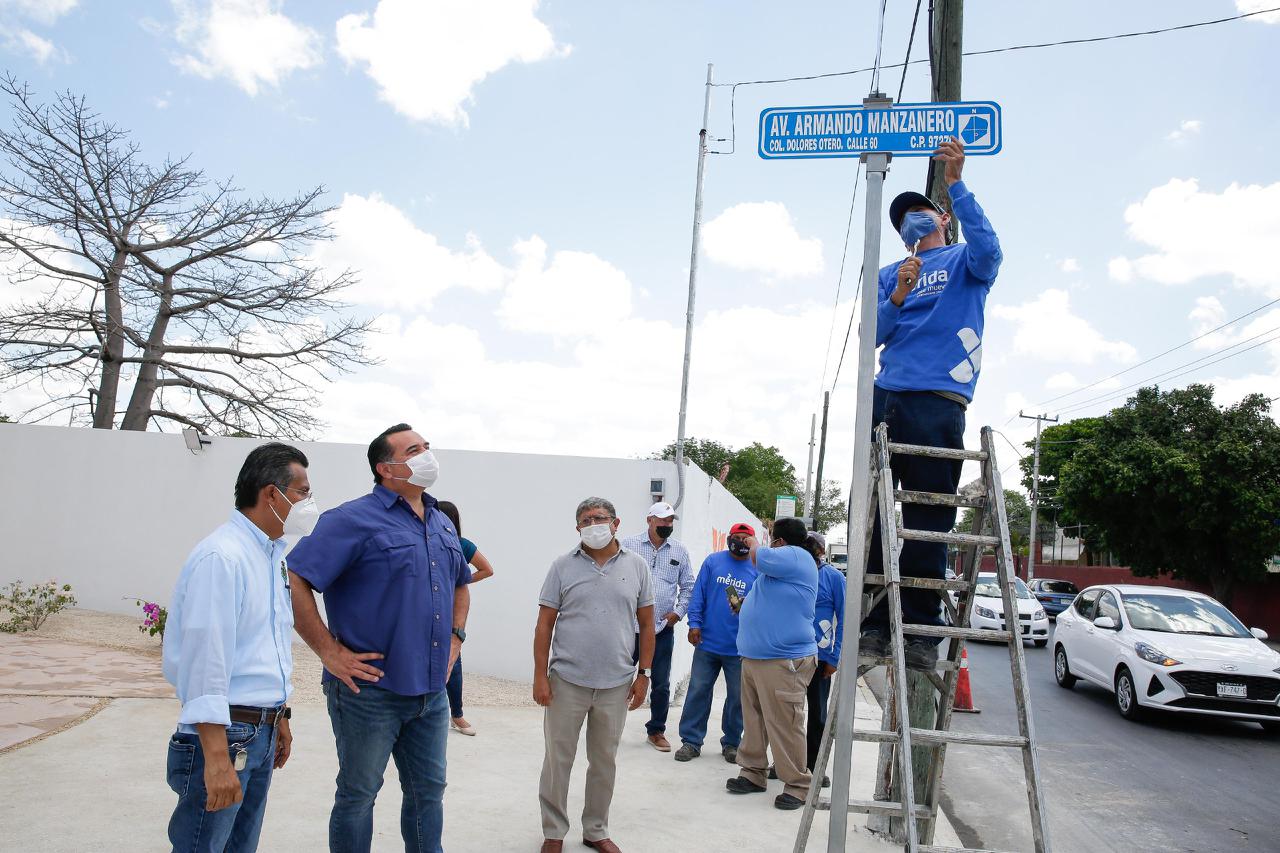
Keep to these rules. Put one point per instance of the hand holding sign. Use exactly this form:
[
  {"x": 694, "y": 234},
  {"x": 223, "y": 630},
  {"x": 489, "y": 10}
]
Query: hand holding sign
[{"x": 951, "y": 155}]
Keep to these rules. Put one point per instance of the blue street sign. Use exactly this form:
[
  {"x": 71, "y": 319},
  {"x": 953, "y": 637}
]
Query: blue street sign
[{"x": 904, "y": 130}]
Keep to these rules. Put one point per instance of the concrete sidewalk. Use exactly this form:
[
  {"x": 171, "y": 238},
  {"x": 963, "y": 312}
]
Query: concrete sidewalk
[{"x": 100, "y": 785}]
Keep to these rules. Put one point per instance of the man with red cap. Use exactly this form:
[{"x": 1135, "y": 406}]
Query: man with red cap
[{"x": 723, "y": 583}]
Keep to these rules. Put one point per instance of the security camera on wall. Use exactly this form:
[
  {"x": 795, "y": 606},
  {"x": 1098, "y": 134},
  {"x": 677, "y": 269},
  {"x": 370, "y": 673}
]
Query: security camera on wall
[
  {"x": 195, "y": 441},
  {"x": 657, "y": 488}
]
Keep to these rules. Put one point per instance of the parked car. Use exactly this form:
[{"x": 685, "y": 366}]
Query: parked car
[
  {"x": 1054, "y": 595},
  {"x": 988, "y": 609},
  {"x": 1171, "y": 649}
]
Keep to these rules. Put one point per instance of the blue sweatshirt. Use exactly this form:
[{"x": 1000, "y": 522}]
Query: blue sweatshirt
[
  {"x": 709, "y": 606},
  {"x": 777, "y": 617},
  {"x": 934, "y": 341},
  {"x": 828, "y": 613}
]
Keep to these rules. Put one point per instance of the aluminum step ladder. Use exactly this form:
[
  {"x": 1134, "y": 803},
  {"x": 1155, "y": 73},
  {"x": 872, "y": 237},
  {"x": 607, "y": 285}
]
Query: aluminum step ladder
[{"x": 989, "y": 509}]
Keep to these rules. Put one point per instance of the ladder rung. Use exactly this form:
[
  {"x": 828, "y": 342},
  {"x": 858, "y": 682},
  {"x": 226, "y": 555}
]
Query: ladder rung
[
  {"x": 933, "y": 848},
  {"x": 919, "y": 583},
  {"x": 954, "y": 538},
  {"x": 937, "y": 452},
  {"x": 953, "y": 631},
  {"x": 921, "y": 737},
  {"x": 885, "y": 807},
  {"x": 938, "y": 499},
  {"x": 868, "y": 661}
]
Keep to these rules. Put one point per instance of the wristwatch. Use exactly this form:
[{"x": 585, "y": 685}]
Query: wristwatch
[
  {"x": 647, "y": 673},
  {"x": 460, "y": 634}
]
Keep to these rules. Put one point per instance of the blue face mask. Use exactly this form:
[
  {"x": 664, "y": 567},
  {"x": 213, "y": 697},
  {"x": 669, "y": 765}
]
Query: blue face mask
[{"x": 917, "y": 225}]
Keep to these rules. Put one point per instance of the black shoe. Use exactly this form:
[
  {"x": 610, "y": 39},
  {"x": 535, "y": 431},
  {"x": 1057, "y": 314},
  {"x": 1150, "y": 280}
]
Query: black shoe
[
  {"x": 922, "y": 654},
  {"x": 730, "y": 754},
  {"x": 773, "y": 772},
  {"x": 826, "y": 781},
  {"x": 687, "y": 752},
  {"x": 873, "y": 644},
  {"x": 742, "y": 785},
  {"x": 787, "y": 803}
]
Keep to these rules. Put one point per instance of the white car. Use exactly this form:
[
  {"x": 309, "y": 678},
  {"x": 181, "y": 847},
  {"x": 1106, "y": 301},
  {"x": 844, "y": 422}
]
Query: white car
[
  {"x": 988, "y": 609},
  {"x": 1157, "y": 647}
]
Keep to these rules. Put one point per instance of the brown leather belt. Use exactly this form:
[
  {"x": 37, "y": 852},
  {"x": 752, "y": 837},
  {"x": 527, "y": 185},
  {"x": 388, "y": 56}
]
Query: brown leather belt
[{"x": 259, "y": 716}]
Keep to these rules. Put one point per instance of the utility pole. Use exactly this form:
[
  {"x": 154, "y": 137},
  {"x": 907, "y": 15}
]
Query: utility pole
[
  {"x": 822, "y": 455},
  {"x": 946, "y": 21},
  {"x": 807, "y": 500},
  {"x": 1035, "y": 492},
  {"x": 693, "y": 285}
]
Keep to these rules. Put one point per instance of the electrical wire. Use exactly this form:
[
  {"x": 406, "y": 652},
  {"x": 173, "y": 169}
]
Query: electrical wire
[
  {"x": 848, "y": 229},
  {"x": 875, "y": 65},
  {"x": 852, "y": 313},
  {"x": 911, "y": 40}
]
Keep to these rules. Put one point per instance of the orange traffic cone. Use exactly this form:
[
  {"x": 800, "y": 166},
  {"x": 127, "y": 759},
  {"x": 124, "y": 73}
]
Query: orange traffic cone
[{"x": 964, "y": 696}]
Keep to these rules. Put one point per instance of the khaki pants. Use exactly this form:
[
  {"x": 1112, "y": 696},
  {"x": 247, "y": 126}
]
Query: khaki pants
[
  {"x": 773, "y": 696},
  {"x": 605, "y": 712}
]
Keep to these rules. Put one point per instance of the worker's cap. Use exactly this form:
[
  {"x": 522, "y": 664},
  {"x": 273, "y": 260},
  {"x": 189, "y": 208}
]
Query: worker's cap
[
  {"x": 742, "y": 529},
  {"x": 819, "y": 539},
  {"x": 661, "y": 510},
  {"x": 904, "y": 202}
]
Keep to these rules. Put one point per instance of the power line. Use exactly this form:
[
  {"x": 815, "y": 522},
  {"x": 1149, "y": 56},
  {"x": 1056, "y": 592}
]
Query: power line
[
  {"x": 1161, "y": 355},
  {"x": 875, "y": 66},
  {"x": 848, "y": 229},
  {"x": 857, "y": 291},
  {"x": 911, "y": 40}
]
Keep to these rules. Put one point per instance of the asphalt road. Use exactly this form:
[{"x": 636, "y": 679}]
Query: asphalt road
[{"x": 1173, "y": 783}]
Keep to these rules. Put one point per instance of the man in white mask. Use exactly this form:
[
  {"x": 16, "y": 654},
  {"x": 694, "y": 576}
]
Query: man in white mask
[
  {"x": 227, "y": 654},
  {"x": 394, "y": 580},
  {"x": 583, "y": 668}
]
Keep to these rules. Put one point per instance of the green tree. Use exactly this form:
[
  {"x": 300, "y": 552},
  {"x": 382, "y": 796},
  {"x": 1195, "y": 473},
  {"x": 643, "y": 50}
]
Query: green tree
[
  {"x": 1018, "y": 511},
  {"x": 1058, "y": 444},
  {"x": 707, "y": 454},
  {"x": 833, "y": 509},
  {"x": 1171, "y": 482}
]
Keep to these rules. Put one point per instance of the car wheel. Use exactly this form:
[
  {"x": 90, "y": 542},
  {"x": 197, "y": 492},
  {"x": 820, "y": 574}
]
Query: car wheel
[
  {"x": 1061, "y": 671},
  {"x": 1127, "y": 696},
  {"x": 1040, "y": 644},
  {"x": 1270, "y": 727}
]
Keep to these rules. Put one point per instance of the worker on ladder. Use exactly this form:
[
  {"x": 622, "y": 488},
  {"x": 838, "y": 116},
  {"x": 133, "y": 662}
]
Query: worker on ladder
[{"x": 930, "y": 324}]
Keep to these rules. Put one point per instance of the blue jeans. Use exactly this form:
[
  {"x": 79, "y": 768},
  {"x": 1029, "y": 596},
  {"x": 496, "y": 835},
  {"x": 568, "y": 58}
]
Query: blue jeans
[
  {"x": 707, "y": 666},
  {"x": 454, "y": 688},
  {"x": 918, "y": 417},
  {"x": 660, "y": 684},
  {"x": 235, "y": 828},
  {"x": 370, "y": 727}
]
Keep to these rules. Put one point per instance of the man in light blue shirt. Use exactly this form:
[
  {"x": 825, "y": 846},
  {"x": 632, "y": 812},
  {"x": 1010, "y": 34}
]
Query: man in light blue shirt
[
  {"x": 672, "y": 577},
  {"x": 227, "y": 654},
  {"x": 779, "y": 656}
]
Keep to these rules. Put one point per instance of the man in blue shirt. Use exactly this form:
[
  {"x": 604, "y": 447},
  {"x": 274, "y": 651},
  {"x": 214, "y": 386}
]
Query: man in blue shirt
[
  {"x": 779, "y": 657},
  {"x": 723, "y": 583},
  {"x": 930, "y": 323},
  {"x": 672, "y": 577},
  {"x": 828, "y": 612},
  {"x": 227, "y": 654},
  {"x": 394, "y": 581}
]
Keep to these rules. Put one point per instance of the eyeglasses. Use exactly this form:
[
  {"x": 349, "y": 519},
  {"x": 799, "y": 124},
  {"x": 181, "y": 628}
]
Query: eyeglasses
[
  {"x": 306, "y": 493},
  {"x": 595, "y": 519}
]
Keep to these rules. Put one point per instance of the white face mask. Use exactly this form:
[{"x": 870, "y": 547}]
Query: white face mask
[
  {"x": 597, "y": 535},
  {"x": 302, "y": 516},
  {"x": 423, "y": 469}
]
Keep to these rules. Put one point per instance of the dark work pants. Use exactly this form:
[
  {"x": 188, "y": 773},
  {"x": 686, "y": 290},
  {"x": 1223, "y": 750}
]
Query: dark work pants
[
  {"x": 918, "y": 417},
  {"x": 818, "y": 694}
]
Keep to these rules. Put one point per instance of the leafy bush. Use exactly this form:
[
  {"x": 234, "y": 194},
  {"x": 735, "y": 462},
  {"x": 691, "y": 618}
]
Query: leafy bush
[
  {"x": 29, "y": 607},
  {"x": 153, "y": 617}
]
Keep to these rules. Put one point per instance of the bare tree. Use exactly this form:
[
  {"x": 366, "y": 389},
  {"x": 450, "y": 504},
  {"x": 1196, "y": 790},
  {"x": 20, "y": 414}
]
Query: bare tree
[{"x": 201, "y": 305}]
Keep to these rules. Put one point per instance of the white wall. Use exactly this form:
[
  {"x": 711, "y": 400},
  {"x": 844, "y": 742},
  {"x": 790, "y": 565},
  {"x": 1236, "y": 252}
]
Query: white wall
[{"x": 115, "y": 514}]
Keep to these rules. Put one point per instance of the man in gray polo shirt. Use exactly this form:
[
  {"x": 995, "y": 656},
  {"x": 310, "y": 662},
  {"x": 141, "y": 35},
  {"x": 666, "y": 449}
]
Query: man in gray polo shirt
[{"x": 583, "y": 670}]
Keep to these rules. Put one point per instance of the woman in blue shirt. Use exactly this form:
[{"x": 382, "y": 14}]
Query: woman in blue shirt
[{"x": 483, "y": 569}]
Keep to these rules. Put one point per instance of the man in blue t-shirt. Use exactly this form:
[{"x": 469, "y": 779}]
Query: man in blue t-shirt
[
  {"x": 930, "y": 324},
  {"x": 722, "y": 584},
  {"x": 779, "y": 657}
]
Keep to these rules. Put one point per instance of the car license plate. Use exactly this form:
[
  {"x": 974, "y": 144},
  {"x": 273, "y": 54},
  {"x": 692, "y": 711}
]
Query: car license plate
[{"x": 1234, "y": 691}]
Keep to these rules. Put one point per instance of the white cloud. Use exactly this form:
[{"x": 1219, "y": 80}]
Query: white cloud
[
  {"x": 398, "y": 264},
  {"x": 41, "y": 11},
  {"x": 1246, "y": 6},
  {"x": 1069, "y": 265},
  {"x": 575, "y": 294},
  {"x": 1197, "y": 233},
  {"x": 1208, "y": 313},
  {"x": 1187, "y": 128},
  {"x": 251, "y": 42},
  {"x": 15, "y": 37},
  {"x": 1061, "y": 381},
  {"x": 1046, "y": 329},
  {"x": 427, "y": 56},
  {"x": 761, "y": 237}
]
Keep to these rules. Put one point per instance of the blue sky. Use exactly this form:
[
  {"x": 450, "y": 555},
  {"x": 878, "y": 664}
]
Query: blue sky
[{"x": 515, "y": 184}]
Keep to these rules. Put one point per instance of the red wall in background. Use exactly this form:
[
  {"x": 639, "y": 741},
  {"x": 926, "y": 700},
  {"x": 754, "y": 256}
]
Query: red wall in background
[{"x": 1256, "y": 604}]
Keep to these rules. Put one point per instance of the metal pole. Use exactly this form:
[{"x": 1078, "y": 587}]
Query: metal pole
[
  {"x": 1035, "y": 494},
  {"x": 808, "y": 468},
  {"x": 877, "y": 166},
  {"x": 693, "y": 286},
  {"x": 822, "y": 456}
]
